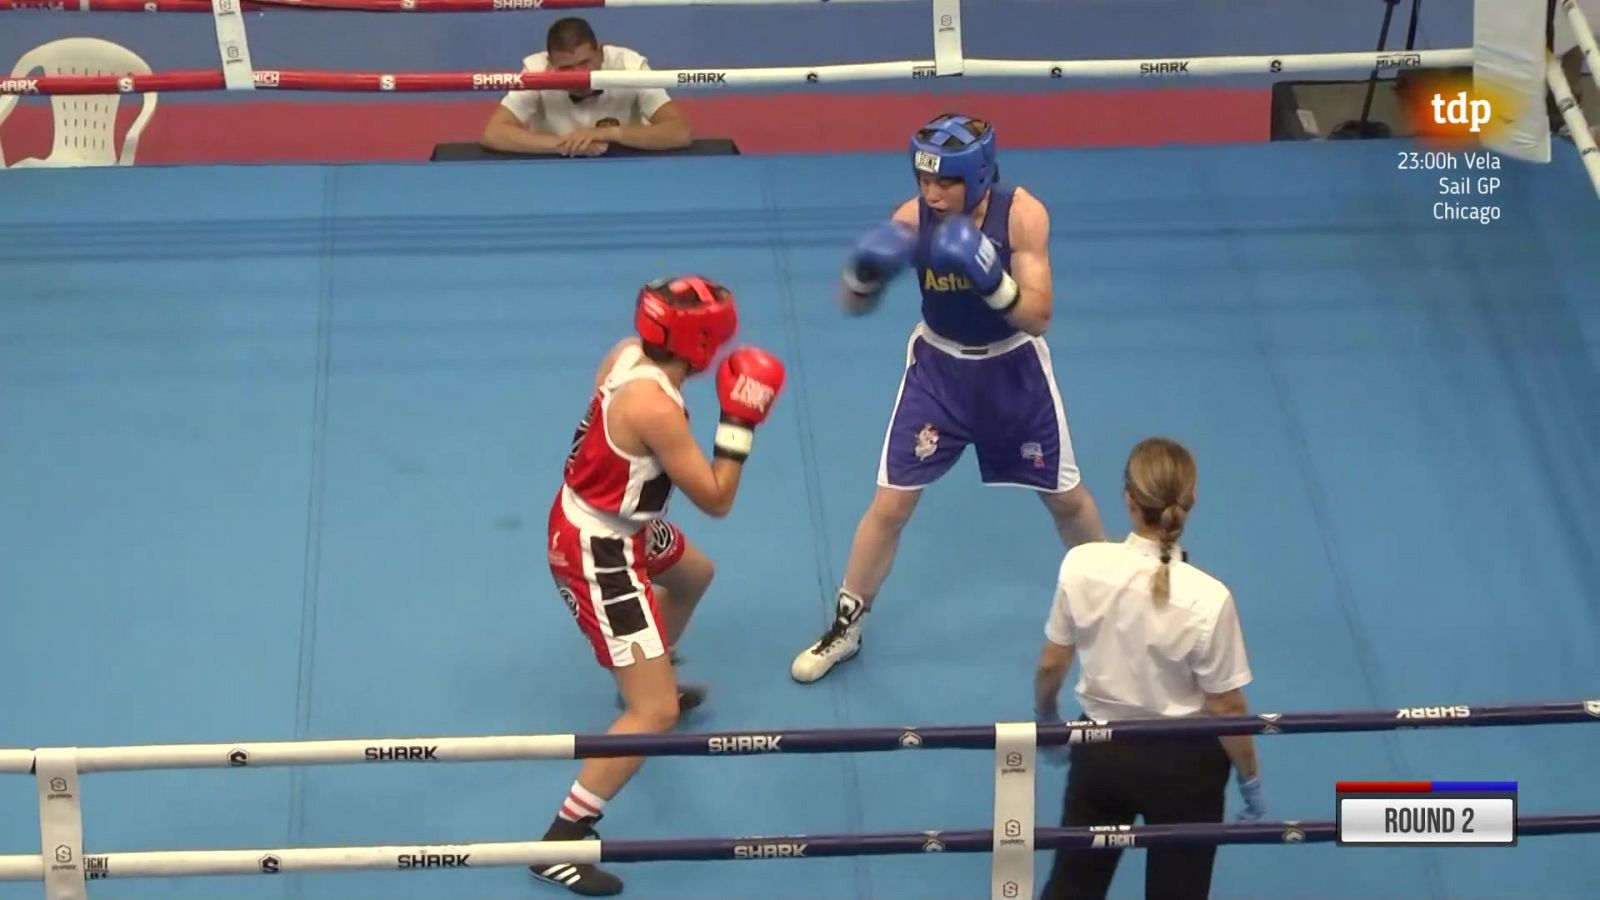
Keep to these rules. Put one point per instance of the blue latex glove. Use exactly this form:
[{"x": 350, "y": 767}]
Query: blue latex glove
[
  {"x": 1255, "y": 806},
  {"x": 958, "y": 246},
  {"x": 1057, "y": 755}
]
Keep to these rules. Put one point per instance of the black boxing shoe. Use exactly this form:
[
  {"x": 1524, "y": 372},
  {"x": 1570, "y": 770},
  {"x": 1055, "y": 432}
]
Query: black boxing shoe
[
  {"x": 583, "y": 879},
  {"x": 690, "y": 696}
]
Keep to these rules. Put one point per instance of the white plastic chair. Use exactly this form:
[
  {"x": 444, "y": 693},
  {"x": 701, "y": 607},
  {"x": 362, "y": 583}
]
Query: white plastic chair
[{"x": 85, "y": 125}]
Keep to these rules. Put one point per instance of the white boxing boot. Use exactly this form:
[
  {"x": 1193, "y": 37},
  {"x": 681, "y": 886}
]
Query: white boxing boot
[{"x": 841, "y": 641}]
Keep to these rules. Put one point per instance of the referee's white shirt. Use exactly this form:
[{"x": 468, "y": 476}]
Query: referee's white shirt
[
  {"x": 1139, "y": 660},
  {"x": 555, "y": 112}
]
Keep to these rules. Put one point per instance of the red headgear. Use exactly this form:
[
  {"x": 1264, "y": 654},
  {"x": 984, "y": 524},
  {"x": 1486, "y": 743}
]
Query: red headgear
[{"x": 688, "y": 316}]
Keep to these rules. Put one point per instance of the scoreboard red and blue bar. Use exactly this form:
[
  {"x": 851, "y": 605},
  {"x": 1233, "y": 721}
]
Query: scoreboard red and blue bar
[
  {"x": 1426, "y": 787},
  {"x": 1427, "y": 813}
]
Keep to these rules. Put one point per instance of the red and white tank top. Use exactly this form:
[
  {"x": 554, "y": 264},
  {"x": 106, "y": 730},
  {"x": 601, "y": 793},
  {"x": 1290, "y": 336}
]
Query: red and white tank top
[{"x": 610, "y": 488}]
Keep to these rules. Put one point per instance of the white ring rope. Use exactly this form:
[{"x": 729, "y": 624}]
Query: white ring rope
[
  {"x": 1584, "y": 34},
  {"x": 1572, "y": 114},
  {"x": 1175, "y": 67},
  {"x": 64, "y": 867}
]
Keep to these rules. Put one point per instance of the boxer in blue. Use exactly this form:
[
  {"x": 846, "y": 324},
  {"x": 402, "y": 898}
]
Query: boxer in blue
[{"x": 977, "y": 366}]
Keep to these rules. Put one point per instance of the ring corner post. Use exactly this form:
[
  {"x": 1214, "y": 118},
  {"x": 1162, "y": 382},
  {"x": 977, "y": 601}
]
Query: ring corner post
[
  {"x": 1015, "y": 771},
  {"x": 948, "y": 58},
  {"x": 232, "y": 45},
  {"x": 60, "y": 823}
]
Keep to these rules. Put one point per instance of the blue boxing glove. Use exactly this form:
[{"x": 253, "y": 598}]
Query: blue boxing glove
[
  {"x": 958, "y": 246},
  {"x": 1255, "y": 806},
  {"x": 880, "y": 255}
]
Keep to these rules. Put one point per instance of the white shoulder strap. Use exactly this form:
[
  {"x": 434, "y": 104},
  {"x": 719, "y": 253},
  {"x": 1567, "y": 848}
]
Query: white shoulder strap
[{"x": 624, "y": 370}]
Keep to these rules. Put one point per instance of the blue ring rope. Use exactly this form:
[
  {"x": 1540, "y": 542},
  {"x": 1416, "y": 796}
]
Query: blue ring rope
[
  {"x": 802, "y": 846},
  {"x": 980, "y": 737}
]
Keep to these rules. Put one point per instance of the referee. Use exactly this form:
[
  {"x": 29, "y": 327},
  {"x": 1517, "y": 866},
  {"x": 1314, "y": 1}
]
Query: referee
[{"x": 1156, "y": 637}]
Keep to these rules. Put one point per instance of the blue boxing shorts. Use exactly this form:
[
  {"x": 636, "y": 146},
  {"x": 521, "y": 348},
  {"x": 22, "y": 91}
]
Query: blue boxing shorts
[{"x": 1001, "y": 398}]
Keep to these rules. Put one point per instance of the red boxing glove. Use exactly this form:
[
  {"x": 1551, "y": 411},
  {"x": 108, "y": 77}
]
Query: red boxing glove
[{"x": 748, "y": 383}]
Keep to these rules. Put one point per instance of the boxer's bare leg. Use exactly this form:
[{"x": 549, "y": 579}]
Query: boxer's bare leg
[
  {"x": 877, "y": 542},
  {"x": 872, "y": 555}
]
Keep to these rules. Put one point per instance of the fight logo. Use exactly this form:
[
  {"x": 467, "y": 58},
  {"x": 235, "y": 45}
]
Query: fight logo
[
  {"x": 1032, "y": 452},
  {"x": 1113, "y": 837},
  {"x": 924, "y": 161},
  {"x": 927, "y": 442}
]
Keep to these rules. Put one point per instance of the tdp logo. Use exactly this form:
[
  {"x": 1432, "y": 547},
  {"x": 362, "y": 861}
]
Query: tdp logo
[{"x": 1461, "y": 111}]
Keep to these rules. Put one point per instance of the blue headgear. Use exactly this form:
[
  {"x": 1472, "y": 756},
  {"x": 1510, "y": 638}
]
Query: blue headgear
[{"x": 946, "y": 147}]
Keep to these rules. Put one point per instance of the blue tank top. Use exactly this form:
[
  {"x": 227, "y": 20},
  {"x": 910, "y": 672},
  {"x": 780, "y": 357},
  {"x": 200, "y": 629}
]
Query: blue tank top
[{"x": 950, "y": 307}]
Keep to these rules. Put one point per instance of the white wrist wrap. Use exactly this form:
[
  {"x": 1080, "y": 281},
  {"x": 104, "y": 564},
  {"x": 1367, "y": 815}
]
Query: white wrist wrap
[
  {"x": 1006, "y": 295},
  {"x": 856, "y": 285},
  {"x": 735, "y": 440}
]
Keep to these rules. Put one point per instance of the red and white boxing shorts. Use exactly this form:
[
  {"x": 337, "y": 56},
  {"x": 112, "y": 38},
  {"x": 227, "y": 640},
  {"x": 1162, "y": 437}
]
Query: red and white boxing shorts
[{"x": 604, "y": 575}]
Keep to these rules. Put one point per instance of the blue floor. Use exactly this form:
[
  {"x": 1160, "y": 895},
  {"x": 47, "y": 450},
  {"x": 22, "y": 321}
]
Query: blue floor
[{"x": 277, "y": 445}]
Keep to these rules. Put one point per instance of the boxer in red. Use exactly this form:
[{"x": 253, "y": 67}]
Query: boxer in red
[{"x": 630, "y": 577}]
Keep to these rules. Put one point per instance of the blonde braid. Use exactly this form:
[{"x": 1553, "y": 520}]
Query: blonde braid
[
  {"x": 1160, "y": 478},
  {"x": 1171, "y": 525}
]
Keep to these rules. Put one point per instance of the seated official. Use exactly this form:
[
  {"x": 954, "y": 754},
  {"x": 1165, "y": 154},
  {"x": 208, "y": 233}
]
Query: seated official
[{"x": 585, "y": 124}]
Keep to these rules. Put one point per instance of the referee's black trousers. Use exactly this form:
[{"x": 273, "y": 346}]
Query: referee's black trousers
[{"x": 1167, "y": 781}]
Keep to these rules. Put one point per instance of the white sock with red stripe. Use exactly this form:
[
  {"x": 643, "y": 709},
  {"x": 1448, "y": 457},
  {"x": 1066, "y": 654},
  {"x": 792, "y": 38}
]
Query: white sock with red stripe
[{"x": 581, "y": 803}]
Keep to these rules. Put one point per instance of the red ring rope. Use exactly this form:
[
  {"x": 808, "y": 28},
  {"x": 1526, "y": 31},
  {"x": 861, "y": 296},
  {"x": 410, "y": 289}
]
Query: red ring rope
[
  {"x": 299, "y": 81},
  {"x": 204, "y": 6}
]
